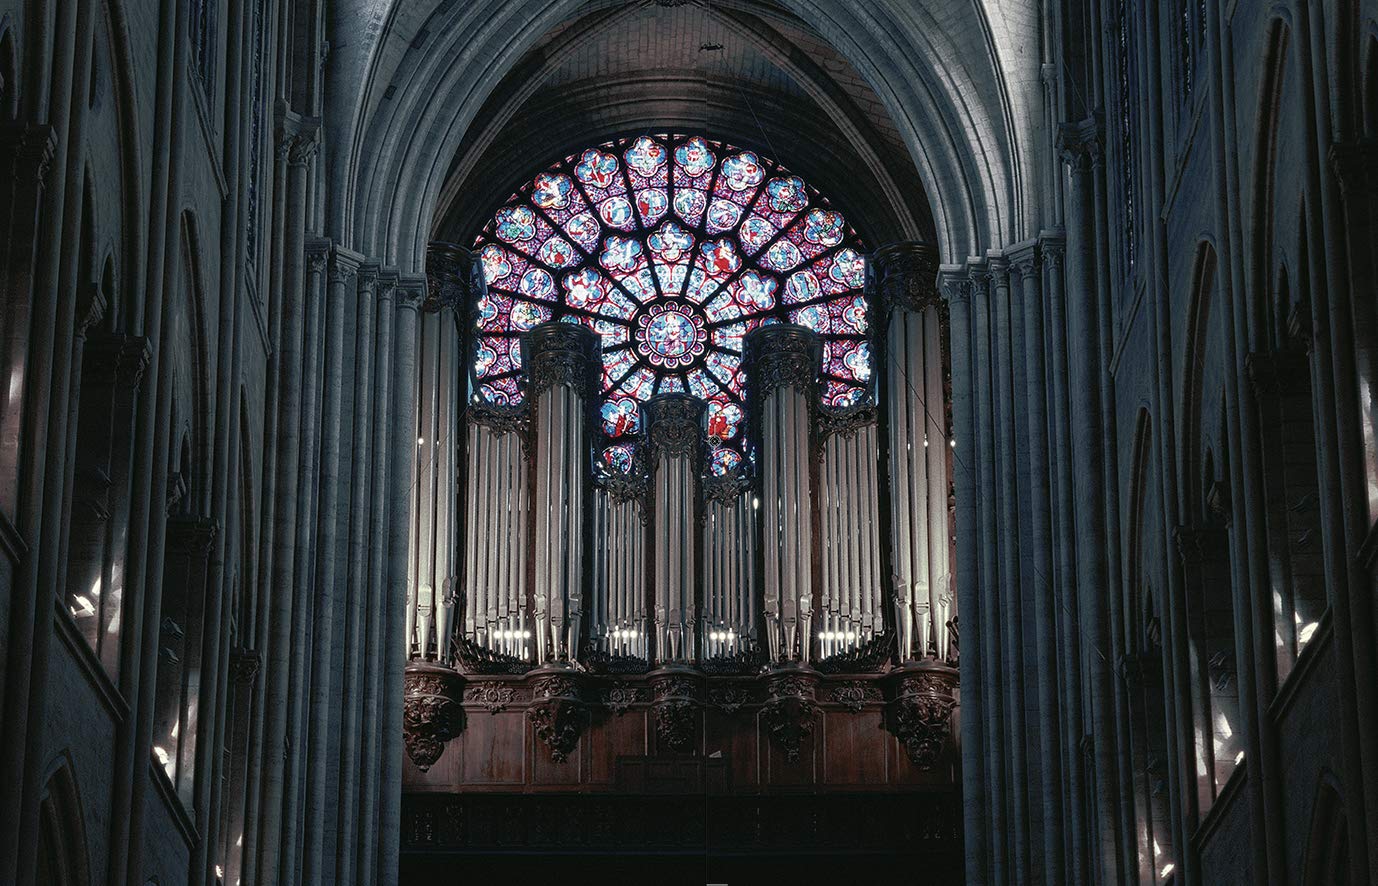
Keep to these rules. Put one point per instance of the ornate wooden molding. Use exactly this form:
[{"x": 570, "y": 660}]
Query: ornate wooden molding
[
  {"x": 561, "y": 354},
  {"x": 558, "y": 714},
  {"x": 454, "y": 277},
  {"x": 905, "y": 276},
  {"x": 676, "y": 707},
  {"x": 674, "y": 426},
  {"x": 780, "y": 355},
  {"x": 922, "y": 711},
  {"x": 790, "y": 708},
  {"x": 431, "y": 713}
]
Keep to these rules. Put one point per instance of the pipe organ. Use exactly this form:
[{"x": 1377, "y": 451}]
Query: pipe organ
[
  {"x": 850, "y": 606},
  {"x": 560, "y": 359},
  {"x": 828, "y": 544},
  {"x": 919, "y": 451}
]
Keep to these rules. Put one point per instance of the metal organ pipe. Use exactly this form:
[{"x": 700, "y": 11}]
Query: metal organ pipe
[{"x": 919, "y": 448}]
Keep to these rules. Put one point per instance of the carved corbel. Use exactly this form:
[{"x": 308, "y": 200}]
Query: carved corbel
[
  {"x": 558, "y": 714},
  {"x": 676, "y": 709},
  {"x": 921, "y": 712},
  {"x": 790, "y": 709},
  {"x": 431, "y": 712}
]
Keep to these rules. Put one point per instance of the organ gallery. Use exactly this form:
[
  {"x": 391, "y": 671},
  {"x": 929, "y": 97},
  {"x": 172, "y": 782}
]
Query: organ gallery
[{"x": 683, "y": 519}]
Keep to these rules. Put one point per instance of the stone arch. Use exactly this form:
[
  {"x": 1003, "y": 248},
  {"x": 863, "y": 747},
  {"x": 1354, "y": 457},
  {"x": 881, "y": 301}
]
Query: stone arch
[
  {"x": 9, "y": 72},
  {"x": 1327, "y": 846},
  {"x": 1145, "y": 671},
  {"x": 402, "y": 138},
  {"x": 1369, "y": 92},
  {"x": 62, "y": 846},
  {"x": 1203, "y": 541}
]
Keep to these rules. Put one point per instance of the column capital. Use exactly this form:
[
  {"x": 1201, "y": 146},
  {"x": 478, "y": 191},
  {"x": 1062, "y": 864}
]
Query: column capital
[
  {"x": 1356, "y": 169},
  {"x": 298, "y": 137},
  {"x": 674, "y": 425},
  {"x": 780, "y": 355},
  {"x": 1081, "y": 144},
  {"x": 410, "y": 290},
  {"x": 91, "y": 305},
  {"x": 31, "y": 147},
  {"x": 1024, "y": 258},
  {"x": 387, "y": 285},
  {"x": 1052, "y": 247},
  {"x": 317, "y": 253},
  {"x": 905, "y": 274},
  {"x": 562, "y": 354},
  {"x": 1197, "y": 544},
  {"x": 123, "y": 357},
  {"x": 955, "y": 284},
  {"x": 344, "y": 263}
]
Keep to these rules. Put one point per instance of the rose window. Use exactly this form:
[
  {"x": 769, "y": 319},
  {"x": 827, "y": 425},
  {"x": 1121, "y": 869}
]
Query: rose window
[{"x": 671, "y": 248}]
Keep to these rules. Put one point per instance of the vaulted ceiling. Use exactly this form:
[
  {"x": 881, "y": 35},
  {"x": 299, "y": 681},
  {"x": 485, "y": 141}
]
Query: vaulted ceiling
[{"x": 907, "y": 113}]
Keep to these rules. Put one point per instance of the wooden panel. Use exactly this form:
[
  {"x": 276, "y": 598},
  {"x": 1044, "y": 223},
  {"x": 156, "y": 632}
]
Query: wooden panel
[
  {"x": 779, "y": 770},
  {"x": 734, "y": 736},
  {"x": 486, "y": 752},
  {"x": 850, "y": 745},
  {"x": 614, "y": 736},
  {"x": 546, "y": 773}
]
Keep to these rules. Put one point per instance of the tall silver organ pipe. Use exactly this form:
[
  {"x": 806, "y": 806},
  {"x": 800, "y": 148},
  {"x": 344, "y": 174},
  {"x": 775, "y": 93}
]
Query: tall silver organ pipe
[
  {"x": 561, "y": 361},
  {"x": 674, "y": 433},
  {"x": 433, "y": 562},
  {"x": 850, "y": 610},
  {"x": 782, "y": 366},
  {"x": 728, "y": 620},
  {"x": 905, "y": 277},
  {"x": 619, "y": 615}
]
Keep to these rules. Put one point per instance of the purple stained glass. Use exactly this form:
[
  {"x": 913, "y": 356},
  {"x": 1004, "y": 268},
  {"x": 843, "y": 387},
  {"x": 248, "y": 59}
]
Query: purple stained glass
[
  {"x": 618, "y": 459},
  {"x": 724, "y": 461},
  {"x": 671, "y": 248}
]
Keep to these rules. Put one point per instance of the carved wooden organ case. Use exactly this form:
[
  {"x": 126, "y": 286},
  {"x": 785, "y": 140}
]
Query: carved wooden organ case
[{"x": 787, "y": 622}]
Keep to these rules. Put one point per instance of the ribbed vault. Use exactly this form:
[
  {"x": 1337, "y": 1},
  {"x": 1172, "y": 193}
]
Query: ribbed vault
[{"x": 908, "y": 103}]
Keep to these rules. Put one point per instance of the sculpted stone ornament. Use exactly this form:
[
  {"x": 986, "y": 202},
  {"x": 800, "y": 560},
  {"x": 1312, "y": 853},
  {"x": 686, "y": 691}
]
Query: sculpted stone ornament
[
  {"x": 790, "y": 710},
  {"x": 922, "y": 711},
  {"x": 562, "y": 354},
  {"x": 558, "y": 714},
  {"x": 846, "y": 423},
  {"x": 431, "y": 714}
]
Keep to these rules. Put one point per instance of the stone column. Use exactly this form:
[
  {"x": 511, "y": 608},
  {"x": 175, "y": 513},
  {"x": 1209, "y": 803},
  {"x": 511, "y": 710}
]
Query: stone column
[
  {"x": 675, "y": 433},
  {"x": 357, "y": 573},
  {"x": 1011, "y": 590},
  {"x": 376, "y": 653},
  {"x": 982, "y": 449},
  {"x": 399, "y": 493},
  {"x": 782, "y": 363},
  {"x": 956, "y": 289},
  {"x": 562, "y": 362},
  {"x": 1026, "y": 263},
  {"x": 298, "y": 147},
  {"x": 342, "y": 266},
  {"x": 1080, "y": 145}
]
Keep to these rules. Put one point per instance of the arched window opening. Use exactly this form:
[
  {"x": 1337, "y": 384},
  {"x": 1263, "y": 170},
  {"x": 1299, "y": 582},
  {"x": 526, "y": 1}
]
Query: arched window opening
[
  {"x": 1145, "y": 674},
  {"x": 1327, "y": 851},
  {"x": 1204, "y": 548},
  {"x": 1282, "y": 387},
  {"x": 62, "y": 853}
]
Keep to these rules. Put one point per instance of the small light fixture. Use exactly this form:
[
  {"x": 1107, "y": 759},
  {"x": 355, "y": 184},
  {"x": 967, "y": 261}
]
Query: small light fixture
[{"x": 420, "y": 441}]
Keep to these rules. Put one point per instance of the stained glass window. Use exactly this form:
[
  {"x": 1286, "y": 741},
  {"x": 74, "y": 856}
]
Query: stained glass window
[{"x": 672, "y": 248}]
